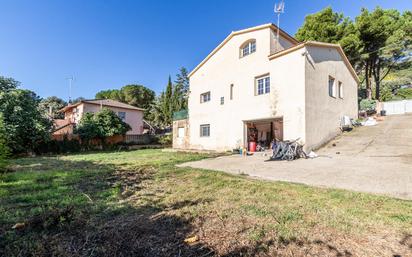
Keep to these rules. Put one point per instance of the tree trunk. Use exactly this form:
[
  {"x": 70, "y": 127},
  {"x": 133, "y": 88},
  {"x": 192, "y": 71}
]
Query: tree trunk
[
  {"x": 376, "y": 77},
  {"x": 368, "y": 80}
]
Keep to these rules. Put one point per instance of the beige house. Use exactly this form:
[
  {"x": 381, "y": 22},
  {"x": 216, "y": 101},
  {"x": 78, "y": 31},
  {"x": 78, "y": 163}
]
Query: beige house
[
  {"x": 252, "y": 87},
  {"x": 73, "y": 113}
]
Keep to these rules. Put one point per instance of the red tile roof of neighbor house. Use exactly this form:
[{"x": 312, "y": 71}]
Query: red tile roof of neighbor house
[{"x": 104, "y": 102}]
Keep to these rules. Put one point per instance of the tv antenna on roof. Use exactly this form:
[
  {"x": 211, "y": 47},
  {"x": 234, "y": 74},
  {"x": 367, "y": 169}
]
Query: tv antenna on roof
[
  {"x": 279, "y": 8},
  {"x": 70, "y": 79}
]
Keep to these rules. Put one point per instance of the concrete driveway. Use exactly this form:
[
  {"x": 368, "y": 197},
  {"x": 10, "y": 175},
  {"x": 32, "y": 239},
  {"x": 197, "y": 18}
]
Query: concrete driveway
[{"x": 374, "y": 159}]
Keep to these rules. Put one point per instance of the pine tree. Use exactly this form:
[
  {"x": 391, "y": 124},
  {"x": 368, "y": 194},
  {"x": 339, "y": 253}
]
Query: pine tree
[{"x": 182, "y": 88}]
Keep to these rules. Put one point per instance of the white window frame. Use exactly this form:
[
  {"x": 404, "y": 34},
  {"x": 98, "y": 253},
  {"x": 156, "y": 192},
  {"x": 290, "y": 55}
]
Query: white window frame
[
  {"x": 332, "y": 87},
  {"x": 262, "y": 85},
  {"x": 202, "y": 131},
  {"x": 248, "y": 48},
  {"x": 205, "y": 97},
  {"x": 340, "y": 89}
]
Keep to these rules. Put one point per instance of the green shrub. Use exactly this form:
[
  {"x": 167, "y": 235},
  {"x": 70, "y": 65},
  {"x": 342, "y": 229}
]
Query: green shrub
[
  {"x": 4, "y": 150},
  {"x": 60, "y": 147},
  {"x": 165, "y": 139},
  {"x": 404, "y": 93},
  {"x": 367, "y": 105},
  {"x": 102, "y": 124}
]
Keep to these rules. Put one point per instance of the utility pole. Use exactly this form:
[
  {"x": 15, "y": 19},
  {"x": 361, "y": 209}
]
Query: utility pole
[
  {"x": 70, "y": 79},
  {"x": 279, "y": 8}
]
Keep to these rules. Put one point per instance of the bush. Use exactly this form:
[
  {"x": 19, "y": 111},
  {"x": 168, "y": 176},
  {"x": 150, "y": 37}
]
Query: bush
[
  {"x": 367, "y": 105},
  {"x": 60, "y": 147},
  {"x": 165, "y": 139},
  {"x": 26, "y": 126},
  {"x": 4, "y": 150},
  {"x": 100, "y": 125},
  {"x": 404, "y": 93}
]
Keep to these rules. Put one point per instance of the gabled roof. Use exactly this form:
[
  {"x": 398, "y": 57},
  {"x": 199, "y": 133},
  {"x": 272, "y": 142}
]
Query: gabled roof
[
  {"x": 235, "y": 33},
  {"x": 103, "y": 102},
  {"x": 318, "y": 44}
]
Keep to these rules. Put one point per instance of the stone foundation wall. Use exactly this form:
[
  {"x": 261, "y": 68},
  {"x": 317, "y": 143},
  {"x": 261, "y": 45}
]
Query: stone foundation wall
[{"x": 181, "y": 141}]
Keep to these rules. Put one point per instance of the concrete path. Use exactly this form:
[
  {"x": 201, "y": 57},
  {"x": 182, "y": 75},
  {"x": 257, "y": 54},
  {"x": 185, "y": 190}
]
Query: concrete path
[{"x": 369, "y": 159}]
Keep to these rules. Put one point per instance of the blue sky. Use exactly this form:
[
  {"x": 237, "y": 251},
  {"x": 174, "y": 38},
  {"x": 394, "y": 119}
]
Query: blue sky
[{"x": 108, "y": 44}]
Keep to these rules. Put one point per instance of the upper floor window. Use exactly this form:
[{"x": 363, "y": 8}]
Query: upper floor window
[
  {"x": 205, "y": 97},
  {"x": 331, "y": 87},
  {"x": 248, "y": 48},
  {"x": 340, "y": 89},
  {"x": 122, "y": 115},
  {"x": 222, "y": 100},
  {"x": 231, "y": 91},
  {"x": 263, "y": 85}
]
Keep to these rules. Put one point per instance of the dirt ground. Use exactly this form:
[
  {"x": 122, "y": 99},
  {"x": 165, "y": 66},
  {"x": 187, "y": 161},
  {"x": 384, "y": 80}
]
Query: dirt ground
[{"x": 374, "y": 159}]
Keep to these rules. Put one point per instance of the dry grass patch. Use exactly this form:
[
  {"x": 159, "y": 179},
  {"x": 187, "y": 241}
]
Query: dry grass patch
[{"x": 139, "y": 203}]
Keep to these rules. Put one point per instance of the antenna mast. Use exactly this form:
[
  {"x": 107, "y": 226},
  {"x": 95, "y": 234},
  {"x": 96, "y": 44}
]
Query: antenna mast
[
  {"x": 279, "y": 8},
  {"x": 70, "y": 79}
]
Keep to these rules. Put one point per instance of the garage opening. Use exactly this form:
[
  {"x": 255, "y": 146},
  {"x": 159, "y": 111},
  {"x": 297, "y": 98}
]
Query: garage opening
[{"x": 259, "y": 134}]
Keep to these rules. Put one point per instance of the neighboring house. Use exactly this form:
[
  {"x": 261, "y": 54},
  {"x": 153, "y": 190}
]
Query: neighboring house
[
  {"x": 73, "y": 113},
  {"x": 253, "y": 88}
]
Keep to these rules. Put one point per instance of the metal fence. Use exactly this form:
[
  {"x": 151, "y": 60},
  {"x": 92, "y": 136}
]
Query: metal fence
[{"x": 139, "y": 139}]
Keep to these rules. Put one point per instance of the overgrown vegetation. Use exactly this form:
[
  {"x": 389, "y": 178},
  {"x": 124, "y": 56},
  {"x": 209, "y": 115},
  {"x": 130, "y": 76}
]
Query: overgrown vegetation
[
  {"x": 101, "y": 125},
  {"x": 52, "y": 105},
  {"x": 26, "y": 125},
  {"x": 138, "y": 203},
  {"x": 367, "y": 105},
  {"x": 4, "y": 150}
]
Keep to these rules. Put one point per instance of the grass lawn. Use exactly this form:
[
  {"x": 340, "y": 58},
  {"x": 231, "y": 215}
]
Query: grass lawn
[{"x": 138, "y": 203}]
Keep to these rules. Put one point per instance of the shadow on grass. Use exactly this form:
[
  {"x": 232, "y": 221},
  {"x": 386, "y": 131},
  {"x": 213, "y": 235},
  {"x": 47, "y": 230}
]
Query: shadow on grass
[
  {"x": 84, "y": 208},
  {"x": 80, "y": 208}
]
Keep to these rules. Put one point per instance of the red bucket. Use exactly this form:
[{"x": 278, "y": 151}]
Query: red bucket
[{"x": 252, "y": 147}]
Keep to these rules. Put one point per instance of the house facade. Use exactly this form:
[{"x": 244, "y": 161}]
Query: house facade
[
  {"x": 73, "y": 113},
  {"x": 254, "y": 88}
]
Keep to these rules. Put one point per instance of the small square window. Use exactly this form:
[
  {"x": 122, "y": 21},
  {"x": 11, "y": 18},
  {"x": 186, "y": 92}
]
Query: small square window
[
  {"x": 122, "y": 115},
  {"x": 205, "y": 130},
  {"x": 205, "y": 97},
  {"x": 222, "y": 100}
]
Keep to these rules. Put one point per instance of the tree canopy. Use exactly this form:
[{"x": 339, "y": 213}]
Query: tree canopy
[
  {"x": 53, "y": 104},
  {"x": 174, "y": 98},
  {"x": 7, "y": 84},
  {"x": 375, "y": 42},
  {"x": 25, "y": 124},
  {"x": 136, "y": 95}
]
